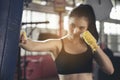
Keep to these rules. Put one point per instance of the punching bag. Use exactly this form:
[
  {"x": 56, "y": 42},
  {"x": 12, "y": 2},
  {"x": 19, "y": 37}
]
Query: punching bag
[{"x": 10, "y": 23}]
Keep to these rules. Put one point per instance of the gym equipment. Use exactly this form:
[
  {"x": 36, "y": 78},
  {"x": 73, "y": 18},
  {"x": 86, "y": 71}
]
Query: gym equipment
[
  {"x": 39, "y": 67},
  {"x": 10, "y": 22}
]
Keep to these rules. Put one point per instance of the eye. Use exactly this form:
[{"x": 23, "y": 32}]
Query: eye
[{"x": 81, "y": 28}]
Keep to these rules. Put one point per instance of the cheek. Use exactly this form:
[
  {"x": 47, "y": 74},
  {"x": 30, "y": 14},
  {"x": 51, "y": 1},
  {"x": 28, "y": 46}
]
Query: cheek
[
  {"x": 86, "y": 28},
  {"x": 71, "y": 30},
  {"x": 76, "y": 31},
  {"x": 83, "y": 30}
]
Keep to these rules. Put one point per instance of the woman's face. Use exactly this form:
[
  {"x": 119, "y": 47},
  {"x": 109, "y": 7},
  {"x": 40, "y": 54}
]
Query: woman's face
[{"x": 77, "y": 25}]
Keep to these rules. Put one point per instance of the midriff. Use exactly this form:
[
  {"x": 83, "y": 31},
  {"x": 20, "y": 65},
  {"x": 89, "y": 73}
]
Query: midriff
[{"x": 80, "y": 76}]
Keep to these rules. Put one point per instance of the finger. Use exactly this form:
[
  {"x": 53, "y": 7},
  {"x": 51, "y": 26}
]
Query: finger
[{"x": 23, "y": 37}]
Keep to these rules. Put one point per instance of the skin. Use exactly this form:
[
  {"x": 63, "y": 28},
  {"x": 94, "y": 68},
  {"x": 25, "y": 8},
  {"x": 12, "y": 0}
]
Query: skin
[{"x": 74, "y": 44}]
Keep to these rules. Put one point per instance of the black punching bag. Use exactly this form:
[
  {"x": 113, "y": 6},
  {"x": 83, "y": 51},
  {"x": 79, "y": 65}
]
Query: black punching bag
[{"x": 10, "y": 21}]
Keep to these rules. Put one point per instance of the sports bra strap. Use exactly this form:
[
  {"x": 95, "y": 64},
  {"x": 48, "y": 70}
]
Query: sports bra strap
[{"x": 62, "y": 44}]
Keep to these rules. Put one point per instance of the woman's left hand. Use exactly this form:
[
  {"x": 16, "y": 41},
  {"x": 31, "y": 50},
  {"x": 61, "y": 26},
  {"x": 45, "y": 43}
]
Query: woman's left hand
[{"x": 90, "y": 40}]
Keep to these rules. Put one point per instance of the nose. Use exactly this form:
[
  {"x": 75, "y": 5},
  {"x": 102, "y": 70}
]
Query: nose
[{"x": 77, "y": 30}]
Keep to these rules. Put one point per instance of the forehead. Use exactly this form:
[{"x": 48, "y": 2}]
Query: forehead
[
  {"x": 78, "y": 19},
  {"x": 82, "y": 21}
]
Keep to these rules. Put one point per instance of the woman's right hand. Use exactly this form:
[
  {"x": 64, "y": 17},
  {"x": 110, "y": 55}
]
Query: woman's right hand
[
  {"x": 25, "y": 42},
  {"x": 23, "y": 37}
]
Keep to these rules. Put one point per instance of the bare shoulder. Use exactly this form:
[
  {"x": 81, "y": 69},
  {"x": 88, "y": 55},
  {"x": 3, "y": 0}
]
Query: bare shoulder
[
  {"x": 57, "y": 43},
  {"x": 53, "y": 41},
  {"x": 55, "y": 46}
]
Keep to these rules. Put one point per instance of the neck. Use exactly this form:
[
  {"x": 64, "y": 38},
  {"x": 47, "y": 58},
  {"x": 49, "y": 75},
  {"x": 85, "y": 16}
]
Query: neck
[{"x": 75, "y": 39}]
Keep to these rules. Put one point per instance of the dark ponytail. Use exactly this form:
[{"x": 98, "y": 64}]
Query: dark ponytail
[{"x": 84, "y": 10}]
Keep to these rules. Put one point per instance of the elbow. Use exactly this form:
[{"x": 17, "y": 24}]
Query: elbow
[{"x": 110, "y": 70}]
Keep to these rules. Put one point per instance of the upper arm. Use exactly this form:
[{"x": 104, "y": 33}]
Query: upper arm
[
  {"x": 46, "y": 45},
  {"x": 52, "y": 45}
]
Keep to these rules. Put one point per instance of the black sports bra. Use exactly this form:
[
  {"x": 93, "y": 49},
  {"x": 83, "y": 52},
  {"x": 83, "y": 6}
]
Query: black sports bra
[{"x": 67, "y": 63}]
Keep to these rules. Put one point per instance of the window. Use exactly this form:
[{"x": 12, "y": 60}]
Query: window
[{"x": 32, "y": 16}]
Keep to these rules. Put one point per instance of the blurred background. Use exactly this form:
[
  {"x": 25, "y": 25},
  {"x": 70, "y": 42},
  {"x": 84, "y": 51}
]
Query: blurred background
[{"x": 44, "y": 19}]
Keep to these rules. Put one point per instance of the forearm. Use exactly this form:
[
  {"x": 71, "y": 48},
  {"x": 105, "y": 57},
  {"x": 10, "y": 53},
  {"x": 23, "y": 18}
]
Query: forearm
[
  {"x": 104, "y": 61},
  {"x": 101, "y": 58}
]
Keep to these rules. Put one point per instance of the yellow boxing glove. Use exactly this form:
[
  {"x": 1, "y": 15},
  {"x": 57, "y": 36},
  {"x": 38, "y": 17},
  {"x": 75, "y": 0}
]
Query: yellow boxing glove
[
  {"x": 90, "y": 40},
  {"x": 23, "y": 37}
]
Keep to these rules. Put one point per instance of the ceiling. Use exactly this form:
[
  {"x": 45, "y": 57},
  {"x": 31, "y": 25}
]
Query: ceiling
[{"x": 47, "y": 6}]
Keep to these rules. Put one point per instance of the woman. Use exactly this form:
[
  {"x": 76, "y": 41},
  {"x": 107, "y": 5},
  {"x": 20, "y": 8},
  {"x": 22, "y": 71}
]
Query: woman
[{"x": 74, "y": 53}]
